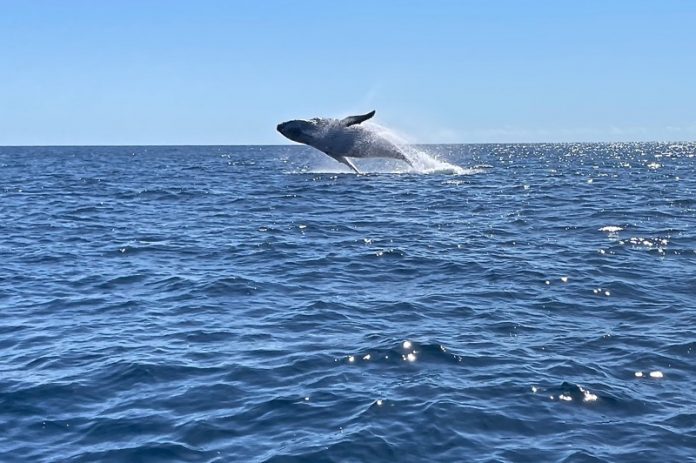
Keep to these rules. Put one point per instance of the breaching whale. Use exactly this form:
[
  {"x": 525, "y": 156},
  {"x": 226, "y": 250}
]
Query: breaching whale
[{"x": 342, "y": 138}]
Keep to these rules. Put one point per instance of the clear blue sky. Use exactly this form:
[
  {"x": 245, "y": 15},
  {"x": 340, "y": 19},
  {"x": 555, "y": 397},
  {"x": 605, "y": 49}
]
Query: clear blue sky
[{"x": 226, "y": 72}]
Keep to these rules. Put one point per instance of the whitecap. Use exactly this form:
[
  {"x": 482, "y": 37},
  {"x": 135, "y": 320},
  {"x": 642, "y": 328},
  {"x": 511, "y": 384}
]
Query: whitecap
[{"x": 611, "y": 229}]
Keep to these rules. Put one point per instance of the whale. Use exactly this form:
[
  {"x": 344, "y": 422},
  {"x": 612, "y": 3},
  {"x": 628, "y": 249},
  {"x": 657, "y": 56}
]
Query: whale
[{"x": 342, "y": 138}]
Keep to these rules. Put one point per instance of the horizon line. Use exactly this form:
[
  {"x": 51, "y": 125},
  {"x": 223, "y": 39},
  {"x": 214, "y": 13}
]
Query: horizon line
[{"x": 299, "y": 144}]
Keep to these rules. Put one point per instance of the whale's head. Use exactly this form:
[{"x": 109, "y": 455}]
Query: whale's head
[{"x": 302, "y": 131}]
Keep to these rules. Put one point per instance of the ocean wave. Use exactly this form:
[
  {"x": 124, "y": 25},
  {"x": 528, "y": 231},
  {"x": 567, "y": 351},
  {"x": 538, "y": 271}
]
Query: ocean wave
[{"x": 208, "y": 304}]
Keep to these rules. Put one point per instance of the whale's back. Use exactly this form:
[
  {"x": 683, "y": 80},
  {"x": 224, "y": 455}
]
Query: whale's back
[
  {"x": 336, "y": 140},
  {"x": 357, "y": 142}
]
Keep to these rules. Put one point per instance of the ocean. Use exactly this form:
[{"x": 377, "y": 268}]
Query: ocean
[{"x": 537, "y": 303}]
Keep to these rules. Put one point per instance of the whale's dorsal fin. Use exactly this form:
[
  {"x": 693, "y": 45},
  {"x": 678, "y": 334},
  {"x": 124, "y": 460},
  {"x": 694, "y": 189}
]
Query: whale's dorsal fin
[{"x": 352, "y": 120}]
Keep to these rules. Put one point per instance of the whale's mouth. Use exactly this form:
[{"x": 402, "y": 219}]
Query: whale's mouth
[
  {"x": 291, "y": 131},
  {"x": 282, "y": 128}
]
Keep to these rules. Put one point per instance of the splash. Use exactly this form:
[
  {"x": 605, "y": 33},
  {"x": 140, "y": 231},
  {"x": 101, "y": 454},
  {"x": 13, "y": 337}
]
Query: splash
[
  {"x": 423, "y": 162},
  {"x": 427, "y": 163}
]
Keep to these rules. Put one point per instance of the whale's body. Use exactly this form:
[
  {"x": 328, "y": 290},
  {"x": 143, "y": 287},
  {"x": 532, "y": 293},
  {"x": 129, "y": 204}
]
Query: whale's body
[{"x": 342, "y": 138}]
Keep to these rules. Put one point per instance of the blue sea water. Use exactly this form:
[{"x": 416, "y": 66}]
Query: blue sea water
[{"x": 260, "y": 304}]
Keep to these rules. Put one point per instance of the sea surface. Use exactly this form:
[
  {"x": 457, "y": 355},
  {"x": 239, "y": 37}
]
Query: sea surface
[{"x": 263, "y": 304}]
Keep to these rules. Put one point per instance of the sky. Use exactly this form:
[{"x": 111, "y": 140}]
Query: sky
[{"x": 132, "y": 72}]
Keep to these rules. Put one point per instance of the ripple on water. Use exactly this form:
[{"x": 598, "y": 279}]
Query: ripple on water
[{"x": 256, "y": 304}]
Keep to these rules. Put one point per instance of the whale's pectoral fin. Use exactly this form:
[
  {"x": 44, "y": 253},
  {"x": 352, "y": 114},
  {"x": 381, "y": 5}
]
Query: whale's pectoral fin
[
  {"x": 345, "y": 161},
  {"x": 352, "y": 120}
]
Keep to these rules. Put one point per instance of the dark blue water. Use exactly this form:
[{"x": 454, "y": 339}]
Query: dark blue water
[{"x": 248, "y": 304}]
